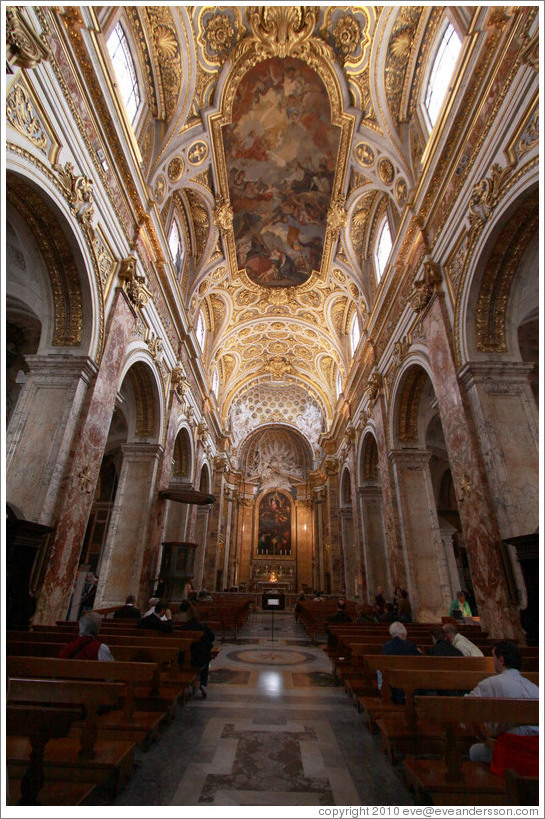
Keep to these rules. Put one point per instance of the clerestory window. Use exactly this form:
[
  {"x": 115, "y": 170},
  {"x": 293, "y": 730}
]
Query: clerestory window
[
  {"x": 355, "y": 334},
  {"x": 200, "y": 331},
  {"x": 125, "y": 73},
  {"x": 441, "y": 72},
  {"x": 176, "y": 247},
  {"x": 383, "y": 248}
]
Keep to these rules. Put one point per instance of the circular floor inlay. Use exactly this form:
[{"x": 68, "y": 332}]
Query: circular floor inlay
[{"x": 271, "y": 656}]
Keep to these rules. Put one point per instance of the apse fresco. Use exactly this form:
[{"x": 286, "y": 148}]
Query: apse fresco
[
  {"x": 274, "y": 537},
  {"x": 280, "y": 151}
]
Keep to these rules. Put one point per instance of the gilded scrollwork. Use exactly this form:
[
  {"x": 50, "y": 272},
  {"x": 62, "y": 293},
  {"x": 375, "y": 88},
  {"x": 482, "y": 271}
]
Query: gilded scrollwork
[
  {"x": 134, "y": 282},
  {"x": 22, "y": 114},
  {"x": 25, "y": 49}
]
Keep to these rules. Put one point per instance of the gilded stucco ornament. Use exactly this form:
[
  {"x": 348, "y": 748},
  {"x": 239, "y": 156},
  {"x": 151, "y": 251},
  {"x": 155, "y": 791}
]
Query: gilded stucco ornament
[
  {"x": 373, "y": 387},
  {"x": 79, "y": 193},
  {"x": 485, "y": 196},
  {"x": 21, "y": 114},
  {"x": 278, "y": 366},
  {"x": 220, "y": 463},
  {"x": 223, "y": 215},
  {"x": 331, "y": 465},
  {"x": 281, "y": 31},
  {"x": 175, "y": 168},
  {"x": 422, "y": 291},
  {"x": 134, "y": 282},
  {"x": 364, "y": 154},
  {"x": 24, "y": 48},
  {"x": 178, "y": 382},
  {"x": 337, "y": 217},
  {"x": 155, "y": 346},
  {"x": 347, "y": 35},
  {"x": 219, "y": 35}
]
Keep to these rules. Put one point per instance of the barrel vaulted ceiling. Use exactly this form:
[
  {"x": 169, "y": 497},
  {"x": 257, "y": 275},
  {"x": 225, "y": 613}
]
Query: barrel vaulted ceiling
[{"x": 279, "y": 136}]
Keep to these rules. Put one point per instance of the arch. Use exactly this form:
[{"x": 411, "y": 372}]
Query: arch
[
  {"x": 494, "y": 267},
  {"x": 369, "y": 465},
  {"x": 43, "y": 248},
  {"x": 346, "y": 489},
  {"x": 142, "y": 399},
  {"x": 182, "y": 461},
  {"x": 205, "y": 479}
]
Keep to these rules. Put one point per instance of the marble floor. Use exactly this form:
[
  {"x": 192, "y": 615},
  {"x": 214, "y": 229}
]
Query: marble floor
[{"x": 273, "y": 731}]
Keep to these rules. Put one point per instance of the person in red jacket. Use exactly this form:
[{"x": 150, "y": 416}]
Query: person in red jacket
[{"x": 87, "y": 646}]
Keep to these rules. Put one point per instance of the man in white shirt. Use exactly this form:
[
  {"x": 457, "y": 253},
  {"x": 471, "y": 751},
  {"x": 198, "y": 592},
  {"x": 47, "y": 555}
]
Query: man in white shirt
[
  {"x": 460, "y": 642},
  {"x": 507, "y": 683}
]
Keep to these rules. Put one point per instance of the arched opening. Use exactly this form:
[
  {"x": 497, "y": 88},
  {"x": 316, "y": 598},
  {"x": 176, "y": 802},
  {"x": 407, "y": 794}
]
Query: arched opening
[{"x": 375, "y": 558}]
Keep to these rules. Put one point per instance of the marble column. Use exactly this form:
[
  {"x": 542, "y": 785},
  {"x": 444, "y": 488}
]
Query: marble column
[
  {"x": 390, "y": 511},
  {"x": 159, "y": 516},
  {"x": 507, "y": 424},
  {"x": 121, "y": 566},
  {"x": 429, "y": 586},
  {"x": 226, "y": 580},
  {"x": 202, "y": 519},
  {"x": 41, "y": 432},
  {"x": 336, "y": 556},
  {"x": 318, "y": 579},
  {"x": 214, "y": 530},
  {"x": 80, "y": 477},
  {"x": 499, "y": 614},
  {"x": 374, "y": 554}
]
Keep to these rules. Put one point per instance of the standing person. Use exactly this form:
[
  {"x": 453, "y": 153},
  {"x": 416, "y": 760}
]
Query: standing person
[
  {"x": 87, "y": 646},
  {"x": 460, "y": 607},
  {"x": 404, "y": 610},
  {"x": 458, "y": 640},
  {"x": 396, "y": 598},
  {"x": 201, "y": 650},
  {"x": 89, "y": 593},
  {"x": 129, "y": 610},
  {"x": 380, "y": 602},
  {"x": 155, "y": 619},
  {"x": 160, "y": 588},
  {"x": 515, "y": 746}
]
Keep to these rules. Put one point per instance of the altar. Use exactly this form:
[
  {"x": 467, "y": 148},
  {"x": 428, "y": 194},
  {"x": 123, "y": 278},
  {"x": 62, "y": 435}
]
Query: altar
[{"x": 273, "y": 585}]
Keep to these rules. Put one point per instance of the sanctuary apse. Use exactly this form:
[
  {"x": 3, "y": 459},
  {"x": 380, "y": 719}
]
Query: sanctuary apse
[{"x": 272, "y": 289}]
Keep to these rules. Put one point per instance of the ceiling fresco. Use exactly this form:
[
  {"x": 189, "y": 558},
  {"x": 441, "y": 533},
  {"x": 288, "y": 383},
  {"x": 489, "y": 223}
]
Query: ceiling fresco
[{"x": 281, "y": 153}]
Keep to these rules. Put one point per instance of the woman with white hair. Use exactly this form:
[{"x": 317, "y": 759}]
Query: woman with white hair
[{"x": 398, "y": 645}]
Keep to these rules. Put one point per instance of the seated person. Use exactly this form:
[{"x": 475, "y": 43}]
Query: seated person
[
  {"x": 389, "y": 614},
  {"x": 515, "y": 746},
  {"x": 460, "y": 642},
  {"x": 398, "y": 645},
  {"x": 129, "y": 610},
  {"x": 155, "y": 619},
  {"x": 459, "y": 608},
  {"x": 441, "y": 646},
  {"x": 380, "y": 602},
  {"x": 340, "y": 616},
  {"x": 87, "y": 646},
  {"x": 364, "y": 614}
]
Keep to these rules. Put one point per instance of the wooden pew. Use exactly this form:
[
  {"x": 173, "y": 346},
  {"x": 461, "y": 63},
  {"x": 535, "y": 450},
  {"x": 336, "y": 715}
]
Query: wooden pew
[
  {"x": 89, "y": 759},
  {"x": 139, "y": 725},
  {"x": 40, "y": 724},
  {"x": 380, "y": 704},
  {"x": 403, "y": 731},
  {"x": 451, "y": 780},
  {"x": 521, "y": 790}
]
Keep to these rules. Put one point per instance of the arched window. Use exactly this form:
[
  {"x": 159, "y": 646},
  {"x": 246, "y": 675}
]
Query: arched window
[
  {"x": 339, "y": 383},
  {"x": 441, "y": 72},
  {"x": 383, "y": 248},
  {"x": 215, "y": 382},
  {"x": 355, "y": 333},
  {"x": 123, "y": 65},
  {"x": 200, "y": 331},
  {"x": 176, "y": 247}
]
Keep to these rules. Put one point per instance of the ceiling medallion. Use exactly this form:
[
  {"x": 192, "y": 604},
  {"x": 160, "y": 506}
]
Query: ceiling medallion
[
  {"x": 175, "y": 168},
  {"x": 386, "y": 171},
  {"x": 197, "y": 153},
  {"x": 347, "y": 35},
  {"x": 364, "y": 154}
]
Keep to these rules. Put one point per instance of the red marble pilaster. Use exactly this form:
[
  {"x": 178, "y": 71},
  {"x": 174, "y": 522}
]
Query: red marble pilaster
[
  {"x": 334, "y": 538},
  {"x": 390, "y": 511},
  {"x": 214, "y": 524},
  {"x": 480, "y": 528},
  {"x": 150, "y": 558},
  {"x": 77, "y": 488}
]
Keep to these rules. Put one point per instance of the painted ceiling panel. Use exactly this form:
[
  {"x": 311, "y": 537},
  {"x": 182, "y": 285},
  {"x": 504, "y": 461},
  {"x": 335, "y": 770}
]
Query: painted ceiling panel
[{"x": 281, "y": 151}]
